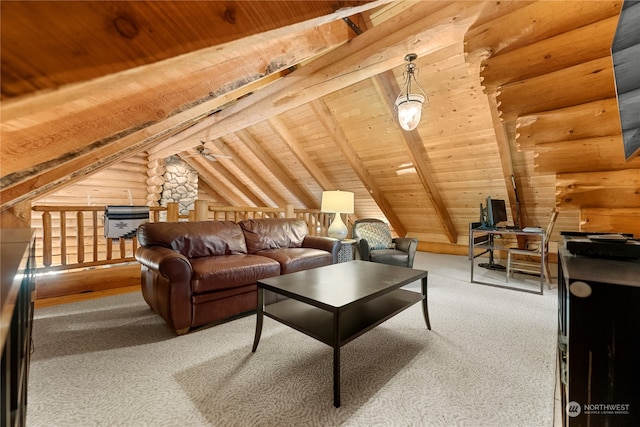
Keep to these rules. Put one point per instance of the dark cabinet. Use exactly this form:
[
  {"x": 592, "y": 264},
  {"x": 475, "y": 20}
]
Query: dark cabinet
[
  {"x": 599, "y": 340},
  {"x": 18, "y": 284}
]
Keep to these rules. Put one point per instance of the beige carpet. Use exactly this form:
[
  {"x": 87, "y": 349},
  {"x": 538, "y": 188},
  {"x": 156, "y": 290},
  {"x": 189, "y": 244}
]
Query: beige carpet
[{"x": 489, "y": 361}]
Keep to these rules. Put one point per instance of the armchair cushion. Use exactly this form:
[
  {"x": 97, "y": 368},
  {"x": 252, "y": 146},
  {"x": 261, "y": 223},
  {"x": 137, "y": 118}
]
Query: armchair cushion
[
  {"x": 390, "y": 256},
  {"x": 377, "y": 235}
]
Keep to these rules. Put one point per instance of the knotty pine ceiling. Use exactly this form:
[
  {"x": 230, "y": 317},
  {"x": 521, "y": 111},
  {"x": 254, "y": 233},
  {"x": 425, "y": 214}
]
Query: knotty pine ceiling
[{"x": 299, "y": 94}]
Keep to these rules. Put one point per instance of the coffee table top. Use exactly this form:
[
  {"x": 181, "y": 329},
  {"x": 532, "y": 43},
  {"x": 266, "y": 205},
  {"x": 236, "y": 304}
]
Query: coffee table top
[{"x": 339, "y": 285}]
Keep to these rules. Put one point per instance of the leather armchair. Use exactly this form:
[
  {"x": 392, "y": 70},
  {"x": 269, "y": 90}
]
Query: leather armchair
[{"x": 375, "y": 244}]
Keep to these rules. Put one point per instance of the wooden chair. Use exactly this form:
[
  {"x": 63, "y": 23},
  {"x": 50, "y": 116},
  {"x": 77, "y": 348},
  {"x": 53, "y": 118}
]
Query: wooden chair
[{"x": 523, "y": 260}]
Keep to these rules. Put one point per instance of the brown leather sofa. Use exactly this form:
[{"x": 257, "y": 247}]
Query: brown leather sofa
[{"x": 194, "y": 273}]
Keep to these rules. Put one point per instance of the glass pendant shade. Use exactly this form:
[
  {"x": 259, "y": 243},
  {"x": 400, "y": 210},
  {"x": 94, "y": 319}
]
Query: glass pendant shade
[{"x": 409, "y": 110}]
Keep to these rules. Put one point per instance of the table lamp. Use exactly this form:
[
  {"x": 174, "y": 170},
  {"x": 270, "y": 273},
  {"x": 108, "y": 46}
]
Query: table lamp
[{"x": 337, "y": 202}]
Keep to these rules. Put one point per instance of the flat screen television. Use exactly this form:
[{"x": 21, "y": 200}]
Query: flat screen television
[{"x": 496, "y": 211}]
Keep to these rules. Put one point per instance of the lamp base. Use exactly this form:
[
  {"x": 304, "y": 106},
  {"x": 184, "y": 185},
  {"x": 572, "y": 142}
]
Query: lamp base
[{"x": 337, "y": 229}]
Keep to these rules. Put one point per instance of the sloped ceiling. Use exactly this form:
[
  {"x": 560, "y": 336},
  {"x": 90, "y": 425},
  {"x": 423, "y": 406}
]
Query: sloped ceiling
[{"x": 298, "y": 94}]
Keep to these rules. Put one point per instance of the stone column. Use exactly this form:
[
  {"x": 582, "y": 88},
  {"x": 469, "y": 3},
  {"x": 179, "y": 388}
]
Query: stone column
[{"x": 180, "y": 184}]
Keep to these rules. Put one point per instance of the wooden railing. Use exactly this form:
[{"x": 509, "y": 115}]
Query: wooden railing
[{"x": 72, "y": 237}]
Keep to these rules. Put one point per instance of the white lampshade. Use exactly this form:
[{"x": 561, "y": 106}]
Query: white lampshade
[
  {"x": 337, "y": 202},
  {"x": 409, "y": 110}
]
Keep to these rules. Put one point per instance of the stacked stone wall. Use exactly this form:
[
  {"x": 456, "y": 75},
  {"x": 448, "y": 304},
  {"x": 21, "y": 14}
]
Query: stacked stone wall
[{"x": 180, "y": 184}]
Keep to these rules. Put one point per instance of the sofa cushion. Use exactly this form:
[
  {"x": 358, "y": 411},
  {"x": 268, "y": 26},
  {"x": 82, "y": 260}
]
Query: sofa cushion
[
  {"x": 230, "y": 271},
  {"x": 273, "y": 233},
  {"x": 195, "y": 239},
  {"x": 298, "y": 259}
]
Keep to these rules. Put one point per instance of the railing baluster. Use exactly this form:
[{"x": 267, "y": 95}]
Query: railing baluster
[
  {"x": 46, "y": 239},
  {"x": 80, "y": 236},
  {"x": 94, "y": 218},
  {"x": 109, "y": 248},
  {"x": 63, "y": 237}
]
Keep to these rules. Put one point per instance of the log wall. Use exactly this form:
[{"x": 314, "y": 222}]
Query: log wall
[{"x": 555, "y": 93}]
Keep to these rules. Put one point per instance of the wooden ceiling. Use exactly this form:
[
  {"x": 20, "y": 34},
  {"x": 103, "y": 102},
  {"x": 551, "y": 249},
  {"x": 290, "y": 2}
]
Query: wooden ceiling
[{"x": 299, "y": 94}]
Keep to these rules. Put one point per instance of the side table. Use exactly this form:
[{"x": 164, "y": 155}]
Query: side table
[{"x": 347, "y": 251}]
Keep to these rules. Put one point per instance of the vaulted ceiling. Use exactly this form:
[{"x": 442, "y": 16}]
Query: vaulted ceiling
[{"x": 298, "y": 94}]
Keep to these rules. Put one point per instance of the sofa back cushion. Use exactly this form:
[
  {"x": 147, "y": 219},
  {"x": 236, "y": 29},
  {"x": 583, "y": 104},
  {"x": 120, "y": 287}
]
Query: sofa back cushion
[
  {"x": 195, "y": 239},
  {"x": 273, "y": 233}
]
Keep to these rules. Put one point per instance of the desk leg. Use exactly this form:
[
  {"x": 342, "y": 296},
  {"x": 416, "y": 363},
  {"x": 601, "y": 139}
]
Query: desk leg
[
  {"x": 336, "y": 359},
  {"x": 259, "y": 318},
  {"x": 425, "y": 308}
]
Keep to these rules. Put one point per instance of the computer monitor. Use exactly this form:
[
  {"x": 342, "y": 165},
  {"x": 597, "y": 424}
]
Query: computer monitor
[{"x": 496, "y": 211}]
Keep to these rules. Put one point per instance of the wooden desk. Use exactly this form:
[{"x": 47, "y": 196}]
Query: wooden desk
[{"x": 483, "y": 238}]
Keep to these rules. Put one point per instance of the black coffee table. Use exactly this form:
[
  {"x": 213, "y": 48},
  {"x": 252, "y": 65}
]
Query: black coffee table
[{"x": 338, "y": 303}]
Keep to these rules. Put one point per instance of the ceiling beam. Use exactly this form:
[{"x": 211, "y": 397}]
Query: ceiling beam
[
  {"x": 337, "y": 135},
  {"x": 387, "y": 86},
  {"x": 37, "y": 182},
  {"x": 277, "y": 170}
]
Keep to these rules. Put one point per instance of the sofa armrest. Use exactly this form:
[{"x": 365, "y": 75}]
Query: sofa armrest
[
  {"x": 328, "y": 244},
  {"x": 166, "y": 262}
]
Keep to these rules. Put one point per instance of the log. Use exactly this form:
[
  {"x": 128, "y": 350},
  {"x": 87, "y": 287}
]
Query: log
[
  {"x": 559, "y": 89},
  {"x": 590, "y": 120},
  {"x": 555, "y": 53},
  {"x": 71, "y": 283},
  {"x": 607, "y": 189},
  {"x": 609, "y": 220},
  {"x": 535, "y": 22},
  {"x": 584, "y": 155}
]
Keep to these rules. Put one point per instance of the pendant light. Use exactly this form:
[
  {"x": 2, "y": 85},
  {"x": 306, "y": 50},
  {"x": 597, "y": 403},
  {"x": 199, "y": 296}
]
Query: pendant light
[{"x": 409, "y": 105}]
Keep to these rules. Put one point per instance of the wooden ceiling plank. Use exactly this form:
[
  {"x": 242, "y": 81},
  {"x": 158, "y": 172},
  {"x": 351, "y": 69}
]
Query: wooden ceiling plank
[
  {"x": 281, "y": 130},
  {"x": 250, "y": 173},
  {"x": 205, "y": 173},
  {"x": 205, "y": 187},
  {"x": 389, "y": 89},
  {"x": 274, "y": 167},
  {"x": 219, "y": 166},
  {"x": 324, "y": 115}
]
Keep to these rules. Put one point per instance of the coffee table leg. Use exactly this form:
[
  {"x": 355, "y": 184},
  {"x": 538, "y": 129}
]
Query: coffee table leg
[
  {"x": 259, "y": 317},
  {"x": 336, "y": 360},
  {"x": 425, "y": 308}
]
